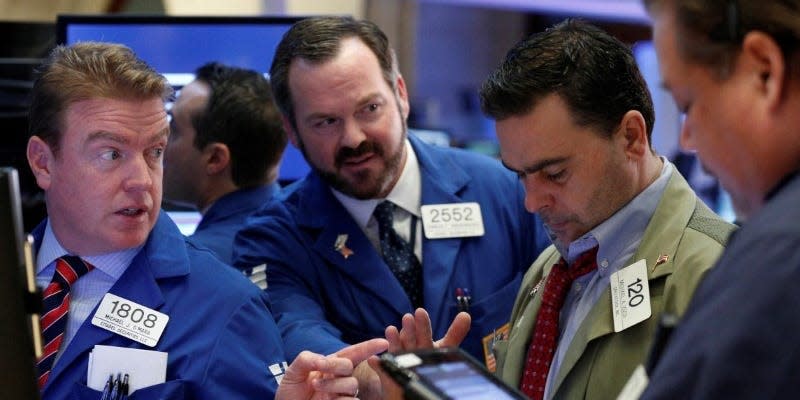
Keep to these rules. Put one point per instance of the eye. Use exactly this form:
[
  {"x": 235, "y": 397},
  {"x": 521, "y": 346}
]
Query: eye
[
  {"x": 325, "y": 122},
  {"x": 371, "y": 111},
  {"x": 110, "y": 155},
  {"x": 557, "y": 176}
]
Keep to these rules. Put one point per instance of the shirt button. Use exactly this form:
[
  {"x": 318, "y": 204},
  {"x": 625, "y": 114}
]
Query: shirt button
[
  {"x": 604, "y": 264},
  {"x": 577, "y": 287}
]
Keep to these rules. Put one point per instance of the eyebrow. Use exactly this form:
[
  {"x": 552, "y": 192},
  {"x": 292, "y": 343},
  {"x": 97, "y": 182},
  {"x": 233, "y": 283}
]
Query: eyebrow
[
  {"x": 368, "y": 99},
  {"x": 106, "y": 135},
  {"x": 536, "y": 167}
]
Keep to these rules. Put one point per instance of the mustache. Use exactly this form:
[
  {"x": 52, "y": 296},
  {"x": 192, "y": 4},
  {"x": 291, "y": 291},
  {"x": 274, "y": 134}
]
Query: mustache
[{"x": 364, "y": 147}]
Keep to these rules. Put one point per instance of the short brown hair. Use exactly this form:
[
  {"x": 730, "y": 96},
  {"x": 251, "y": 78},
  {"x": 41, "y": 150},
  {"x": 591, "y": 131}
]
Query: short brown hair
[
  {"x": 84, "y": 71},
  {"x": 710, "y": 32},
  {"x": 318, "y": 40}
]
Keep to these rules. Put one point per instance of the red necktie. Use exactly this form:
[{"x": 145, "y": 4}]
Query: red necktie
[
  {"x": 55, "y": 310},
  {"x": 545, "y": 331}
]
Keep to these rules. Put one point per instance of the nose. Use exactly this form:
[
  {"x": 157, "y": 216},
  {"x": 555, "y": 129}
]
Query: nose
[
  {"x": 139, "y": 175},
  {"x": 535, "y": 197},
  {"x": 353, "y": 135}
]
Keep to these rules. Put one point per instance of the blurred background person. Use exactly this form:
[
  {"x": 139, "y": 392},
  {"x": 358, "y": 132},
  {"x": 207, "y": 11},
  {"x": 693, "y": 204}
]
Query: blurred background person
[
  {"x": 224, "y": 151},
  {"x": 733, "y": 68}
]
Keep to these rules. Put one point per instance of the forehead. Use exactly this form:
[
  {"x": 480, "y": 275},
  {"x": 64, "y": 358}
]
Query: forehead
[
  {"x": 354, "y": 72},
  {"x": 678, "y": 73},
  {"x": 547, "y": 130},
  {"x": 126, "y": 118},
  {"x": 192, "y": 97}
]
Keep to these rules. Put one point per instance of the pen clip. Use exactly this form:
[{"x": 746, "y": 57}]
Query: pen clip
[{"x": 463, "y": 299}]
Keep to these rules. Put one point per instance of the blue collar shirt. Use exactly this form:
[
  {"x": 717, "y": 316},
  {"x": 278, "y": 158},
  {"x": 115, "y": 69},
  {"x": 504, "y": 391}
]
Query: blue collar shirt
[{"x": 86, "y": 292}]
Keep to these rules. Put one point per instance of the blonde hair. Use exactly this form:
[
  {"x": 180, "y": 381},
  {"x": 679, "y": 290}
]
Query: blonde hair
[{"x": 84, "y": 71}]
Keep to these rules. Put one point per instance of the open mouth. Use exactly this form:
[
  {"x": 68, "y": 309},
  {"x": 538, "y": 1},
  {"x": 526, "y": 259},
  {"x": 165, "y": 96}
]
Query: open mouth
[{"x": 131, "y": 212}]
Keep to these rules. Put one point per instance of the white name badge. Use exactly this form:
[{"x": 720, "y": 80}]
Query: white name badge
[
  {"x": 131, "y": 320},
  {"x": 630, "y": 296},
  {"x": 441, "y": 221}
]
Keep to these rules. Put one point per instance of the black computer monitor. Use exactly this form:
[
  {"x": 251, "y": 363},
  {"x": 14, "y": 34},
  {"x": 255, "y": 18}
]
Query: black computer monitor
[
  {"x": 176, "y": 46},
  {"x": 17, "y": 355}
]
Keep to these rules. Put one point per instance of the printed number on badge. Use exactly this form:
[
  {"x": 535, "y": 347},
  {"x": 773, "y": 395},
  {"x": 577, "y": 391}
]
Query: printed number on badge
[
  {"x": 454, "y": 214},
  {"x": 130, "y": 319},
  {"x": 453, "y": 220},
  {"x": 630, "y": 296},
  {"x": 134, "y": 314}
]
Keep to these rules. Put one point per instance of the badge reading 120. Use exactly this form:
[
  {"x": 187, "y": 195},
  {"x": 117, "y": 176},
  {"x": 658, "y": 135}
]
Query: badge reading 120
[
  {"x": 131, "y": 320},
  {"x": 453, "y": 220}
]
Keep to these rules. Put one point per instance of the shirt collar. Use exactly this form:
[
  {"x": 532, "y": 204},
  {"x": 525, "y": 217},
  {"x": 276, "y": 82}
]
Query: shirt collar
[
  {"x": 406, "y": 193},
  {"x": 626, "y": 226},
  {"x": 113, "y": 264}
]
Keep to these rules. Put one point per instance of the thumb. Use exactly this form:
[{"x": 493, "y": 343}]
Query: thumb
[{"x": 456, "y": 332}]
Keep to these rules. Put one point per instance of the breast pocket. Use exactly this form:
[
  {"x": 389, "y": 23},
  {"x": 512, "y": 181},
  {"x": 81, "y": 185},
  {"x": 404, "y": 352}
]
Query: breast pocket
[
  {"x": 489, "y": 315},
  {"x": 172, "y": 390}
]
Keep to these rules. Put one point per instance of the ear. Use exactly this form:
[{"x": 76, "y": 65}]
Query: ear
[
  {"x": 290, "y": 132},
  {"x": 762, "y": 58},
  {"x": 217, "y": 157},
  {"x": 40, "y": 159},
  {"x": 633, "y": 134},
  {"x": 402, "y": 96}
]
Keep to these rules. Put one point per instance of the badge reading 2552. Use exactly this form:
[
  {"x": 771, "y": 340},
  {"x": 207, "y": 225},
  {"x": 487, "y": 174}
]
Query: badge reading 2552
[
  {"x": 452, "y": 220},
  {"x": 131, "y": 320}
]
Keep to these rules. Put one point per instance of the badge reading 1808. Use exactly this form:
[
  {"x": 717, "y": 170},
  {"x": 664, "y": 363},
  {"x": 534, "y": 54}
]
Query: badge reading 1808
[{"x": 131, "y": 320}]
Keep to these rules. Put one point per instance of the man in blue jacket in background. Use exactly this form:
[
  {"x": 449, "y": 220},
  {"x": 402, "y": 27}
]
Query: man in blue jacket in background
[
  {"x": 225, "y": 146},
  {"x": 341, "y": 263}
]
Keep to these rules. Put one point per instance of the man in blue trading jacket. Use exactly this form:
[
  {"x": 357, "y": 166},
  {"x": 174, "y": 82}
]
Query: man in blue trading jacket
[
  {"x": 98, "y": 131},
  {"x": 345, "y": 106},
  {"x": 225, "y": 146}
]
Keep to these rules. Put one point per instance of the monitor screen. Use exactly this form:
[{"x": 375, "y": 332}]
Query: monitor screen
[
  {"x": 16, "y": 343},
  {"x": 176, "y": 46}
]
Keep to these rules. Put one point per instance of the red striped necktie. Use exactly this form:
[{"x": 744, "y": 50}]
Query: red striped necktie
[
  {"x": 545, "y": 332},
  {"x": 56, "y": 307}
]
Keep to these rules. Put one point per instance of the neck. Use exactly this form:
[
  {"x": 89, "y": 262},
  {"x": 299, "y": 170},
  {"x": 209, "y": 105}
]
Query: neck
[
  {"x": 214, "y": 190},
  {"x": 653, "y": 164}
]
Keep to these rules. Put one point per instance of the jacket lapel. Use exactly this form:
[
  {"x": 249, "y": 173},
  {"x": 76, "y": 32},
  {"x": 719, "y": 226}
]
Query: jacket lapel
[
  {"x": 442, "y": 181},
  {"x": 524, "y": 317},
  {"x": 662, "y": 236},
  {"x": 319, "y": 210}
]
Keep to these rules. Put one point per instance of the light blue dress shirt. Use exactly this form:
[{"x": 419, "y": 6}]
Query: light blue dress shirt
[
  {"x": 87, "y": 291},
  {"x": 618, "y": 237}
]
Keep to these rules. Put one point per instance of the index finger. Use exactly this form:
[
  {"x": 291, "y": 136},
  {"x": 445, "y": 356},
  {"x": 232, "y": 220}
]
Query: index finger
[{"x": 362, "y": 351}]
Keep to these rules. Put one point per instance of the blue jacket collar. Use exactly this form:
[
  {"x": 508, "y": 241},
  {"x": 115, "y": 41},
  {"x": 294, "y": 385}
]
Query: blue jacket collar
[{"x": 237, "y": 201}]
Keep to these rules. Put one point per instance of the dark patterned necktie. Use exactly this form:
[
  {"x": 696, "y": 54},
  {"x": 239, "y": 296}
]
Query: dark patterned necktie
[
  {"x": 55, "y": 310},
  {"x": 545, "y": 331},
  {"x": 399, "y": 254}
]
